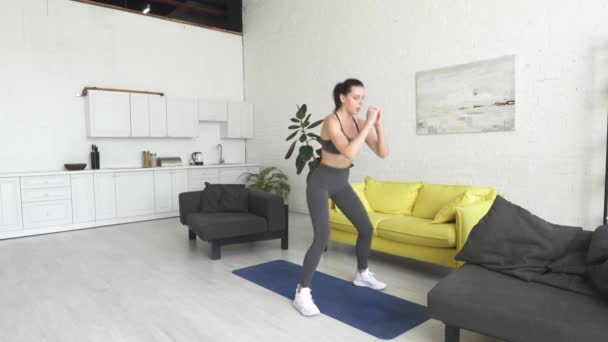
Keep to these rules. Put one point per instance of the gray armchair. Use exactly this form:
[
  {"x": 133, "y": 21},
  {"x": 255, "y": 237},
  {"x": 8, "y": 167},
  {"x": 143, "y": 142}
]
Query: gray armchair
[{"x": 266, "y": 218}]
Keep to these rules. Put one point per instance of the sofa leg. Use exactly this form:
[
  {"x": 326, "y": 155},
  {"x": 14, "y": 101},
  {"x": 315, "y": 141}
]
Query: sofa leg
[
  {"x": 452, "y": 333},
  {"x": 285, "y": 238},
  {"x": 285, "y": 241},
  {"x": 191, "y": 235},
  {"x": 216, "y": 252}
]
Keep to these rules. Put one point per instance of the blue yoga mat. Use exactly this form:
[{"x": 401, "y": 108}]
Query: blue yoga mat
[{"x": 377, "y": 313}]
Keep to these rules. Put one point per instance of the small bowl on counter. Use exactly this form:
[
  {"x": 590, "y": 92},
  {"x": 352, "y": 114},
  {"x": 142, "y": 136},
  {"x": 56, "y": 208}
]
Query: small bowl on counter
[{"x": 75, "y": 167}]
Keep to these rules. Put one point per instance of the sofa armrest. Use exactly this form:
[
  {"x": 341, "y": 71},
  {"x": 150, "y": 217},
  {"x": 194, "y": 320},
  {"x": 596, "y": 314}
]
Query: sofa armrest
[
  {"x": 466, "y": 218},
  {"x": 269, "y": 206},
  {"x": 189, "y": 202}
]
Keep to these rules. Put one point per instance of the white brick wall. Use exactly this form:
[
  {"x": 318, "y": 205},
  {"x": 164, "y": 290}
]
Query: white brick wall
[{"x": 552, "y": 164}]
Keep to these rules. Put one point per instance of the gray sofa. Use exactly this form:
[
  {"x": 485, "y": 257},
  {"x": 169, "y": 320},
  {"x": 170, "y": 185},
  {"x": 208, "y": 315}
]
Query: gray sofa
[
  {"x": 266, "y": 218},
  {"x": 526, "y": 279},
  {"x": 501, "y": 306}
]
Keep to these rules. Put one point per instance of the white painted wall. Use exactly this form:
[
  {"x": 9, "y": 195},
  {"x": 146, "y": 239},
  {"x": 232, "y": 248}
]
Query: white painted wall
[
  {"x": 51, "y": 49},
  {"x": 552, "y": 164}
]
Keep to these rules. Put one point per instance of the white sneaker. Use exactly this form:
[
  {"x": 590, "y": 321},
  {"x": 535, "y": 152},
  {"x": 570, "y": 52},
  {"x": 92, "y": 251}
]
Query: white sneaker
[
  {"x": 304, "y": 303},
  {"x": 367, "y": 279}
]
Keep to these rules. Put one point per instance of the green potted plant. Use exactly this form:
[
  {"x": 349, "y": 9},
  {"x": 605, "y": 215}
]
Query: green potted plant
[
  {"x": 301, "y": 125},
  {"x": 268, "y": 179}
]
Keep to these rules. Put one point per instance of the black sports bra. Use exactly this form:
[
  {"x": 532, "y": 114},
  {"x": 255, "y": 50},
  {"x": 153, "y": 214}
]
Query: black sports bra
[{"x": 328, "y": 145}]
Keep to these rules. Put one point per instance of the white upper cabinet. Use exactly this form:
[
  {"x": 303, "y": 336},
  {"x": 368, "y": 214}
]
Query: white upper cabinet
[
  {"x": 148, "y": 115},
  {"x": 212, "y": 110},
  {"x": 232, "y": 128},
  {"x": 240, "y": 121},
  {"x": 109, "y": 114},
  {"x": 123, "y": 114},
  {"x": 158, "y": 115},
  {"x": 182, "y": 117},
  {"x": 140, "y": 115},
  {"x": 247, "y": 120}
]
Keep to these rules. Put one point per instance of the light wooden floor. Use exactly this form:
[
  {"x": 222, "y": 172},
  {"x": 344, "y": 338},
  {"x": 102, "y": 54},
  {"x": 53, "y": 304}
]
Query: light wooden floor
[{"x": 147, "y": 282}]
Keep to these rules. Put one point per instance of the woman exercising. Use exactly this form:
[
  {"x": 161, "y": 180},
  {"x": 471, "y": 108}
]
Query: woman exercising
[{"x": 342, "y": 137}]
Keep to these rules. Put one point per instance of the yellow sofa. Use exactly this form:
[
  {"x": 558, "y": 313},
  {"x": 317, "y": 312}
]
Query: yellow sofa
[{"x": 426, "y": 222}]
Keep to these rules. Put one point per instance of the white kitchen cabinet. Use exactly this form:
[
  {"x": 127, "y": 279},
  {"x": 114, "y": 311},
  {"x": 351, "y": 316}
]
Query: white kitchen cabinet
[
  {"x": 158, "y": 115},
  {"x": 46, "y": 201},
  {"x": 179, "y": 179},
  {"x": 45, "y": 182},
  {"x": 140, "y": 115},
  {"x": 212, "y": 110},
  {"x": 49, "y": 194},
  {"x": 240, "y": 121},
  {"x": 148, "y": 115},
  {"x": 109, "y": 114},
  {"x": 163, "y": 191},
  {"x": 134, "y": 193},
  {"x": 10, "y": 204},
  {"x": 83, "y": 198},
  {"x": 105, "y": 196},
  {"x": 231, "y": 175},
  {"x": 198, "y": 177},
  {"x": 47, "y": 213},
  {"x": 167, "y": 187},
  {"x": 247, "y": 121},
  {"x": 232, "y": 127},
  {"x": 253, "y": 169},
  {"x": 182, "y": 117}
]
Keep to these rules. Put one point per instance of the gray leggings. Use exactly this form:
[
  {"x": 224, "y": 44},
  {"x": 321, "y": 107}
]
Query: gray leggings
[{"x": 325, "y": 182}]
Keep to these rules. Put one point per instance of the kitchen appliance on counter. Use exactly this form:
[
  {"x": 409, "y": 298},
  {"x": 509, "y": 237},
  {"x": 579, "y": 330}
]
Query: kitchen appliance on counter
[
  {"x": 169, "y": 161},
  {"x": 94, "y": 157},
  {"x": 196, "y": 158}
]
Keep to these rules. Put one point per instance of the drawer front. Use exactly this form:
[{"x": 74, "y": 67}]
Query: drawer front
[
  {"x": 50, "y": 194},
  {"x": 38, "y": 182},
  {"x": 197, "y": 178},
  {"x": 38, "y": 214}
]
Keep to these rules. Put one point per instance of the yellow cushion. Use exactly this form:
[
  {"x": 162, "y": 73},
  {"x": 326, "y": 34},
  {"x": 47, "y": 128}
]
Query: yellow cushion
[
  {"x": 339, "y": 221},
  {"x": 417, "y": 231},
  {"x": 391, "y": 197},
  {"x": 359, "y": 189},
  {"x": 433, "y": 197},
  {"x": 448, "y": 212}
]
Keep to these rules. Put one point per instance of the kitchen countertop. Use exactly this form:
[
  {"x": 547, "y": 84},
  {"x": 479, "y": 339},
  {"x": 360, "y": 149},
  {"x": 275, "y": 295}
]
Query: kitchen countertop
[{"x": 122, "y": 169}]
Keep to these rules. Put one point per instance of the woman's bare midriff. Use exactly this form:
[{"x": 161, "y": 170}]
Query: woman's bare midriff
[{"x": 335, "y": 160}]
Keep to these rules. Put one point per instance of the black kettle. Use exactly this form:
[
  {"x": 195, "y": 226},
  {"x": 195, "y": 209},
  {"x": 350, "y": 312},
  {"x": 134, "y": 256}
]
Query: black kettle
[{"x": 197, "y": 158}]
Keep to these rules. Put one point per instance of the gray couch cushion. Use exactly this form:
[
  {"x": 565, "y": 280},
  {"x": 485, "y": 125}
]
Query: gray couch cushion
[
  {"x": 235, "y": 200},
  {"x": 598, "y": 259},
  {"x": 211, "y": 197},
  {"x": 213, "y": 226},
  {"x": 512, "y": 240},
  {"x": 498, "y": 305}
]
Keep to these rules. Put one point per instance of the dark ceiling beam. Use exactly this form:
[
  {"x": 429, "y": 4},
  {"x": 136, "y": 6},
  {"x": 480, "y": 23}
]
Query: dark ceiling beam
[{"x": 191, "y": 8}]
